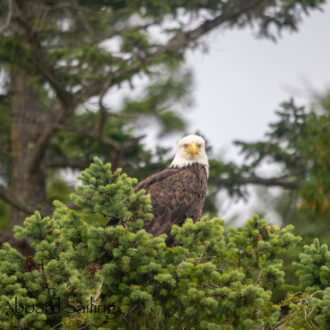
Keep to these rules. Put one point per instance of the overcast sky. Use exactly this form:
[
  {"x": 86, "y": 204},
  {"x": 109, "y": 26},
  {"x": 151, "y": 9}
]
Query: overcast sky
[{"x": 241, "y": 80}]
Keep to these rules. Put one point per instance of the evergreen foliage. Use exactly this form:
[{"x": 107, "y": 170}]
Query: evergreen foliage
[
  {"x": 298, "y": 143},
  {"x": 86, "y": 275}
]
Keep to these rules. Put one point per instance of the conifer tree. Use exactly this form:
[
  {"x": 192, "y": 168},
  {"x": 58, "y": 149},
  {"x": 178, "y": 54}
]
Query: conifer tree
[{"x": 86, "y": 275}]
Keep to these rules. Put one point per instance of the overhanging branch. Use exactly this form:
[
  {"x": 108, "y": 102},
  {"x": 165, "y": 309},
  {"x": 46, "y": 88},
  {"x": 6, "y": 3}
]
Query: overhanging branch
[
  {"x": 118, "y": 146},
  {"x": 179, "y": 42},
  {"x": 133, "y": 28},
  {"x": 61, "y": 161},
  {"x": 86, "y": 132}
]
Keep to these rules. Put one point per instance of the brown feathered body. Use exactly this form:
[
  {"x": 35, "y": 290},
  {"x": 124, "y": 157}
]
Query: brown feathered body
[{"x": 176, "y": 194}]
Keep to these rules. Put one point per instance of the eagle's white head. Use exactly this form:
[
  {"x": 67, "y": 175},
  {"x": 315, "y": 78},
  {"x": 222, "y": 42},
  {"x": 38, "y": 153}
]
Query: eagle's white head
[{"x": 191, "y": 149}]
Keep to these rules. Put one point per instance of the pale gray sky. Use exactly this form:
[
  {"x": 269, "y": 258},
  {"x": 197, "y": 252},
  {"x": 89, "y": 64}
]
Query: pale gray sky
[{"x": 241, "y": 80}]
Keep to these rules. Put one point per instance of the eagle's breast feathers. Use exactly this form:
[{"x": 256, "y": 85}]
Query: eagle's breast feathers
[{"x": 176, "y": 194}]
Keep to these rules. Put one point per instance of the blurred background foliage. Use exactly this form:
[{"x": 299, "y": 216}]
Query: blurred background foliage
[
  {"x": 299, "y": 144},
  {"x": 62, "y": 62}
]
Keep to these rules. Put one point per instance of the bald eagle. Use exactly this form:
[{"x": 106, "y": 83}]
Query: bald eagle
[{"x": 178, "y": 192}]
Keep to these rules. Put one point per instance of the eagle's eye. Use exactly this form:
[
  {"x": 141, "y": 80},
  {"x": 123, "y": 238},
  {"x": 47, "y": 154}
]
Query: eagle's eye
[
  {"x": 199, "y": 145},
  {"x": 185, "y": 145}
]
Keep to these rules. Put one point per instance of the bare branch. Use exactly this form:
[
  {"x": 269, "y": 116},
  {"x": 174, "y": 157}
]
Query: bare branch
[
  {"x": 60, "y": 161},
  {"x": 40, "y": 149},
  {"x": 269, "y": 182},
  {"x": 47, "y": 72},
  {"x": 8, "y": 197},
  {"x": 102, "y": 119},
  {"x": 102, "y": 139}
]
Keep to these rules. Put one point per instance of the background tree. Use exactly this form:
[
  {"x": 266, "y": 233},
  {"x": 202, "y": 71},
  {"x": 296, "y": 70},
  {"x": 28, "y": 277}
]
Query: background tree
[
  {"x": 60, "y": 59},
  {"x": 298, "y": 143}
]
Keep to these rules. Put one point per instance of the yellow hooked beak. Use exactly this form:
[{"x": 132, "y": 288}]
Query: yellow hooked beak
[{"x": 192, "y": 148}]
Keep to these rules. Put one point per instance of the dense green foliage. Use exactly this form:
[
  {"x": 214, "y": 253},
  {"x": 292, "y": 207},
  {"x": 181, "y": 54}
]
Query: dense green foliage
[{"x": 211, "y": 279}]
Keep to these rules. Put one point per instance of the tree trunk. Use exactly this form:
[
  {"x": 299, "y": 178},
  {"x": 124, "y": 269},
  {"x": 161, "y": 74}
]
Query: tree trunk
[{"x": 25, "y": 128}]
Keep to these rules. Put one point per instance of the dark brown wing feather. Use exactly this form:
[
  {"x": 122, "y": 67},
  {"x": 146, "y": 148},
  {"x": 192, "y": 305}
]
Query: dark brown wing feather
[
  {"x": 176, "y": 194},
  {"x": 156, "y": 177}
]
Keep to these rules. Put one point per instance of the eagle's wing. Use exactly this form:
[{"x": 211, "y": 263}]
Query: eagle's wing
[
  {"x": 176, "y": 193},
  {"x": 146, "y": 183}
]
